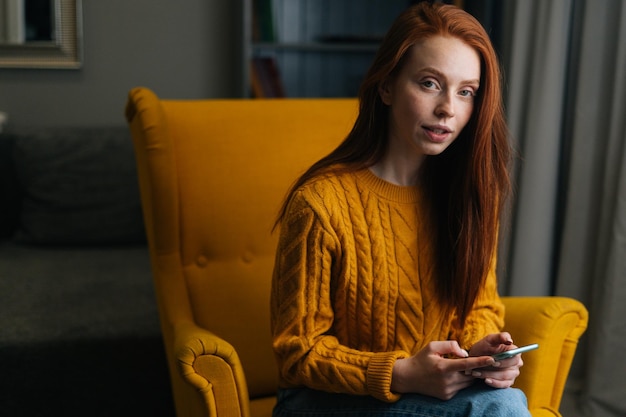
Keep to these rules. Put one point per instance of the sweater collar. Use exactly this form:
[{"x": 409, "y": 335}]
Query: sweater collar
[{"x": 387, "y": 190}]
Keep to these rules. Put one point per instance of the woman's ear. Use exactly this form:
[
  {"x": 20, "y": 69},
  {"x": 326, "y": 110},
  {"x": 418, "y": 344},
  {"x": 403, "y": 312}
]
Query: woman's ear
[{"x": 384, "y": 90}]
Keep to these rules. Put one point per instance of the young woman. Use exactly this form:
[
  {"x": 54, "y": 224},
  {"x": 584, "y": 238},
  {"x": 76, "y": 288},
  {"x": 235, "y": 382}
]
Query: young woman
[{"x": 384, "y": 296}]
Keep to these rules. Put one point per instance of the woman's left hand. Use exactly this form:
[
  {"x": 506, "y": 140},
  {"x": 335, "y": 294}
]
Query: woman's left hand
[{"x": 503, "y": 373}]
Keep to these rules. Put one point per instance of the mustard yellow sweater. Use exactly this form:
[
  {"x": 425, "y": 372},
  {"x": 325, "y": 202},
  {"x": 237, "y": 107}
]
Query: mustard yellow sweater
[{"x": 353, "y": 288}]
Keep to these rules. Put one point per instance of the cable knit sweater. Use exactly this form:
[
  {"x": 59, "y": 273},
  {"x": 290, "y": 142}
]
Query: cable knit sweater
[{"x": 353, "y": 288}]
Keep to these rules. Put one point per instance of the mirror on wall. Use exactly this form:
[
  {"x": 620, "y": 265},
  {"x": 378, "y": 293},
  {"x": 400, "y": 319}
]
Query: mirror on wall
[{"x": 40, "y": 34}]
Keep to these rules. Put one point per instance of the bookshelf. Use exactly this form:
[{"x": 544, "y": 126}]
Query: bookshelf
[{"x": 313, "y": 48}]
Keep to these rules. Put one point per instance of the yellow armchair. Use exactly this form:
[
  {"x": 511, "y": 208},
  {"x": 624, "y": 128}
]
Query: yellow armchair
[{"x": 212, "y": 176}]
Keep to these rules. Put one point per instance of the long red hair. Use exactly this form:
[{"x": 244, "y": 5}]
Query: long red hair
[{"x": 468, "y": 183}]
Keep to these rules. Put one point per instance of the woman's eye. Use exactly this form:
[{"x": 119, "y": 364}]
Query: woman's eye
[
  {"x": 429, "y": 84},
  {"x": 467, "y": 93}
]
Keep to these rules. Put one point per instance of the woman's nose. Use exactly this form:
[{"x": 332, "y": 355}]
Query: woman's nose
[{"x": 445, "y": 106}]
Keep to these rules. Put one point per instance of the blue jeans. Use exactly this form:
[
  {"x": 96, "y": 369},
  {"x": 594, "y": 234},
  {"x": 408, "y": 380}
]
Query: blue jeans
[{"x": 476, "y": 401}]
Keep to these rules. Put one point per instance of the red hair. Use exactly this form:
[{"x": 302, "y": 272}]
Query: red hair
[{"x": 468, "y": 183}]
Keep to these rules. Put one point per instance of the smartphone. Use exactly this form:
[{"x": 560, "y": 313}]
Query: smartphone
[{"x": 510, "y": 353}]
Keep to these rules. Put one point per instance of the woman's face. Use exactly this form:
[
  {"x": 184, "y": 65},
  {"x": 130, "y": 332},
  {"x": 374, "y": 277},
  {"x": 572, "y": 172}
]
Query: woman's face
[{"x": 432, "y": 97}]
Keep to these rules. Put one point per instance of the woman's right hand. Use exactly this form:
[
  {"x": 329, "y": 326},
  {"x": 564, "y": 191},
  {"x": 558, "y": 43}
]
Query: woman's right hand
[{"x": 430, "y": 371}]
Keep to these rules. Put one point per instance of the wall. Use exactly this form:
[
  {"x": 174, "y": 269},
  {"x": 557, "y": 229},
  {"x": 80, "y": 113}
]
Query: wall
[{"x": 182, "y": 49}]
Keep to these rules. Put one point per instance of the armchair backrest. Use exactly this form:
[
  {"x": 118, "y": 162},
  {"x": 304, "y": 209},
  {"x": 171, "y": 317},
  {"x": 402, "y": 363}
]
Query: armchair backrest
[{"x": 213, "y": 174}]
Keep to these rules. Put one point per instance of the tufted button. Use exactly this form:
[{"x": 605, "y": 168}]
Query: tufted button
[
  {"x": 202, "y": 261},
  {"x": 247, "y": 257}
]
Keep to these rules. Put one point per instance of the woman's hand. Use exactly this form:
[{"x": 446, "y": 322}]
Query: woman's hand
[
  {"x": 501, "y": 374},
  {"x": 431, "y": 372}
]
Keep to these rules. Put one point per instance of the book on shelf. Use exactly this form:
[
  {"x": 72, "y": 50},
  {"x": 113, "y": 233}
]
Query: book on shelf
[
  {"x": 263, "y": 21},
  {"x": 265, "y": 78}
]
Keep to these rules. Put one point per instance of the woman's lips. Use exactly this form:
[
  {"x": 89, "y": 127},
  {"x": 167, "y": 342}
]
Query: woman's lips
[{"x": 437, "y": 133}]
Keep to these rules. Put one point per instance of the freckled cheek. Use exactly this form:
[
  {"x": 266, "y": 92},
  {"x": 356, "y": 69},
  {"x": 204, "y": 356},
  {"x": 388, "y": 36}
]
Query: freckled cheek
[
  {"x": 407, "y": 115},
  {"x": 466, "y": 114},
  {"x": 416, "y": 111},
  {"x": 412, "y": 112},
  {"x": 413, "y": 121}
]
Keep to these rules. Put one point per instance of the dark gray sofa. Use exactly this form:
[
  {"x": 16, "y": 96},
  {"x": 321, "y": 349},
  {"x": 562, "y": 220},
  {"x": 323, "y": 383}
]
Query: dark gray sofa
[{"x": 79, "y": 329}]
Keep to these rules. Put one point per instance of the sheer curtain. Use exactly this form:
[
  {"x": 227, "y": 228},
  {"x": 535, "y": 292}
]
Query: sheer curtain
[{"x": 565, "y": 71}]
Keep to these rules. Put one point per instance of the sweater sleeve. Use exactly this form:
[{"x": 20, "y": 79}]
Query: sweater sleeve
[
  {"x": 486, "y": 317},
  {"x": 307, "y": 352}
]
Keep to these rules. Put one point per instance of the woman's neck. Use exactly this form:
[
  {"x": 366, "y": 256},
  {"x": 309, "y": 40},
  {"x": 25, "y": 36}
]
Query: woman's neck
[{"x": 401, "y": 170}]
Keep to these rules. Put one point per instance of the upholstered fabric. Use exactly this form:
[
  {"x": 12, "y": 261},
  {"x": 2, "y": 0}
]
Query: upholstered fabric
[
  {"x": 78, "y": 186},
  {"x": 212, "y": 176}
]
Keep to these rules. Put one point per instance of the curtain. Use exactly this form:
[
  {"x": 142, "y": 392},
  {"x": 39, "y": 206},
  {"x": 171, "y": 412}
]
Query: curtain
[
  {"x": 565, "y": 72},
  {"x": 535, "y": 71}
]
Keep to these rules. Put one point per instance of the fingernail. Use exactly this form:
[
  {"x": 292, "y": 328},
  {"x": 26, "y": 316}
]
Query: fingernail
[
  {"x": 476, "y": 374},
  {"x": 496, "y": 364}
]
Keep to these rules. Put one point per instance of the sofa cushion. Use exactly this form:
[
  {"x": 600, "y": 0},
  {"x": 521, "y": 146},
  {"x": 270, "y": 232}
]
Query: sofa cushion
[{"x": 79, "y": 186}]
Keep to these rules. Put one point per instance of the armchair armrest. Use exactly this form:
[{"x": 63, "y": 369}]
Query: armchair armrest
[
  {"x": 211, "y": 366},
  {"x": 556, "y": 324}
]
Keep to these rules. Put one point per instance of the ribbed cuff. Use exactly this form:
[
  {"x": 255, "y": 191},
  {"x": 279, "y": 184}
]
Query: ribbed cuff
[{"x": 379, "y": 372}]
